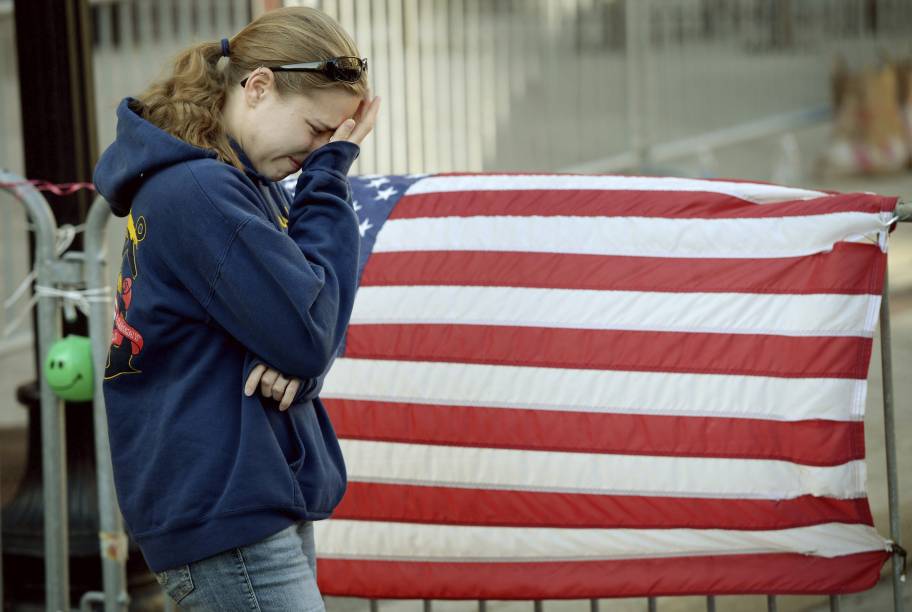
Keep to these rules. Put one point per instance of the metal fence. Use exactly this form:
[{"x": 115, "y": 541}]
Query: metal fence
[
  {"x": 91, "y": 276},
  {"x": 505, "y": 85},
  {"x": 485, "y": 85}
]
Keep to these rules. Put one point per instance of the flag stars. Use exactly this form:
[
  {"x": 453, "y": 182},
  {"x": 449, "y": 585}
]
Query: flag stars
[
  {"x": 386, "y": 194},
  {"x": 378, "y": 182},
  {"x": 355, "y": 206},
  {"x": 364, "y": 226}
]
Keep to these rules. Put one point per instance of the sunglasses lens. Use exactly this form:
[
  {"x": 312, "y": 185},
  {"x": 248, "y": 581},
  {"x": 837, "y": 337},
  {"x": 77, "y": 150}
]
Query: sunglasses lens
[{"x": 347, "y": 68}]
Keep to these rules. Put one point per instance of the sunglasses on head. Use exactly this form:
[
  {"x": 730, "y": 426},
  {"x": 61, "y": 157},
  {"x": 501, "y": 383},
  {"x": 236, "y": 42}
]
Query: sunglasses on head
[{"x": 346, "y": 69}]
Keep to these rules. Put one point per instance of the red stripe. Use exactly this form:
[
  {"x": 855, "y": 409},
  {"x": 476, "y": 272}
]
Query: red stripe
[
  {"x": 624, "y": 203},
  {"x": 849, "y": 268},
  {"x": 708, "y": 575},
  {"x": 812, "y": 442},
  {"x": 641, "y": 351},
  {"x": 564, "y": 174},
  {"x": 462, "y": 506}
]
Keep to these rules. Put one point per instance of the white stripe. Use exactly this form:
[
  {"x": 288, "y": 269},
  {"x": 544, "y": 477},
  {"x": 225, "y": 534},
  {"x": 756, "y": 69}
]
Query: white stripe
[
  {"x": 346, "y": 539},
  {"x": 631, "y": 236},
  {"x": 751, "y": 192},
  {"x": 524, "y": 470},
  {"x": 739, "y": 313},
  {"x": 654, "y": 393}
]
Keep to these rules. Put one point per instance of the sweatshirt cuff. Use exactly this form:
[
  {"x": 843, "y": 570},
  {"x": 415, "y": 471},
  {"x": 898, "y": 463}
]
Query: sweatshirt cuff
[{"x": 338, "y": 156}]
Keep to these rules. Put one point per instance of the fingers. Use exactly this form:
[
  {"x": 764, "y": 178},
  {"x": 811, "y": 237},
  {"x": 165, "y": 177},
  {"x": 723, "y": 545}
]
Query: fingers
[
  {"x": 343, "y": 132},
  {"x": 355, "y": 130},
  {"x": 253, "y": 379},
  {"x": 290, "y": 391},
  {"x": 366, "y": 125},
  {"x": 268, "y": 378},
  {"x": 273, "y": 385},
  {"x": 278, "y": 388},
  {"x": 359, "y": 114}
]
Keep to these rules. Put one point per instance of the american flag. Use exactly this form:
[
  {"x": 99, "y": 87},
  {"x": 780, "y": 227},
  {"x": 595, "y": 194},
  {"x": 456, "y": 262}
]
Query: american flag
[{"x": 563, "y": 386}]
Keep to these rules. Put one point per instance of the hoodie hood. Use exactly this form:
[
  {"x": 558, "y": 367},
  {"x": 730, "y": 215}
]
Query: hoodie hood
[{"x": 140, "y": 150}]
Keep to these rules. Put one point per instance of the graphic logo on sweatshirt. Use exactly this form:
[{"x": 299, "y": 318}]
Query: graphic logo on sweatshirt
[{"x": 126, "y": 341}]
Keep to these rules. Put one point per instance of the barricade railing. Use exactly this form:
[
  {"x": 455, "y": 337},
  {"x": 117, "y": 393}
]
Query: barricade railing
[{"x": 52, "y": 270}]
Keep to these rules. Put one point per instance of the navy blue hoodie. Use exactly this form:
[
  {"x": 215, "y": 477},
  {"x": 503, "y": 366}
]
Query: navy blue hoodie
[{"x": 215, "y": 278}]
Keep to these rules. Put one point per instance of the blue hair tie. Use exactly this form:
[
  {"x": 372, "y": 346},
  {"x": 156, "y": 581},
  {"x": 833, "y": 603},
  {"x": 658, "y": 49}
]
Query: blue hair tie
[{"x": 226, "y": 49}]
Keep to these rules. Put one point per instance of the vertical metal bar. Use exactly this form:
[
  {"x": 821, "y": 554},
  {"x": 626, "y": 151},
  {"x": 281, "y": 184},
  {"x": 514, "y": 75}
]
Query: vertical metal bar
[
  {"x": 384, "y": 126},
  {"x": 222, "y": 21},
  {"x": 6, "y": 240},
  {"x": 414, "y": 110},
  {"x": 582, "y": 132},
  {"x": 330, "y": 8},
  {"x": 363, "y": 34},
  {"x": 651, "y": 604},
  {"x": 146, "y": 42},
  {"x": 347, "y": 21},
  {"x": 513, "y": 79},
  {"x": 593, "y": 605},
  {"x": 374, "y": 605},
  {"x": 427, "y": 606},
  {"x": 457, "y": 53},
  {"x": 710, "y": 603},
  {"x": 634, "y": 75},
  {"x": 473, "y": 87},
  {"x": 553, "y": 99},
  {"x": 886, "y": 361},
  {"x": 105, "y": 67},
  {"x": 397, "y": 94},
  {"x": 834, "y": 603},
  {"x": 537, "y": 605},
  {"x": 500, "y": 20},
  {"x": 242, "y": 15},
  {"x": 441, "y": 37},
  {"x": 126, "y": 55},
  {"x": 113, "y": 541},
  {"x": 428, "y": 101},
  {"x": 487, "y": 77},
  {"x": 53, "y": 458},
  {"x": 771, "y": 604},
  {"x": 482, "y": 605},
  {"x": 533, "y": 24},
  {"x": 347, "y": 16},
  {"x": 53, "y": 424},
  {"x": 1, "y": 528}
]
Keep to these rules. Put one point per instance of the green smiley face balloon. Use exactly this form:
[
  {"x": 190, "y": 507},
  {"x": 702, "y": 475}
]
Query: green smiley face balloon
[{"x": 68, "y": 369}]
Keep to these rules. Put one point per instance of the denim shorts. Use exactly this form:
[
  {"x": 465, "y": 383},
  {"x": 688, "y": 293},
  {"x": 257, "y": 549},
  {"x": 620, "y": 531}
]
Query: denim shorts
[{"x": 278, "y": 573}]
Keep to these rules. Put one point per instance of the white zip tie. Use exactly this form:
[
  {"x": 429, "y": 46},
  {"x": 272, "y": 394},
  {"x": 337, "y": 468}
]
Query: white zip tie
[
  {"x": 65, "y": 236},
  {"x": 79, "y": 298}
]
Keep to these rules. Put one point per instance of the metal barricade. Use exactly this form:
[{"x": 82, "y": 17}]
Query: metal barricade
[{"x": 52, "y": 270}]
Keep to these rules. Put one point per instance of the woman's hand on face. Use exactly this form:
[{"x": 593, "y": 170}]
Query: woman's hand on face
[
  {"x": 272, "y": 384},
  {"x": 358, "y": 127}
]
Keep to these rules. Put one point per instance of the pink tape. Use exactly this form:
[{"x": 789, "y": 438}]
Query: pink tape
[{"x": 60, "y": 189}]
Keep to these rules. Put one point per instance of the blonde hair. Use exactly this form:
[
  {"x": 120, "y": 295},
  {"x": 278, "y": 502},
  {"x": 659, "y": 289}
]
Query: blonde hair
[{"x": 188, "y": 104}]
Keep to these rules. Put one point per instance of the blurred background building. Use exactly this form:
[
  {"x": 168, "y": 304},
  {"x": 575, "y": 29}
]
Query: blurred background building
[
  {"x": 484, "y": 85},
  {"x": 735, "y": 88}
]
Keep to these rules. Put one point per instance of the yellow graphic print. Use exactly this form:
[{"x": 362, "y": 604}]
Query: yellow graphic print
[{"x": 126, "y": 341}]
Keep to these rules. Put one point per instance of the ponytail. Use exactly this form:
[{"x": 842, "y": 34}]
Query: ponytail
[{"x": 189, "y": 103}]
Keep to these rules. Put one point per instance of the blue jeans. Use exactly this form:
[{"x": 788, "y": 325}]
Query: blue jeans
[{"x": 278, "y": 573}]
